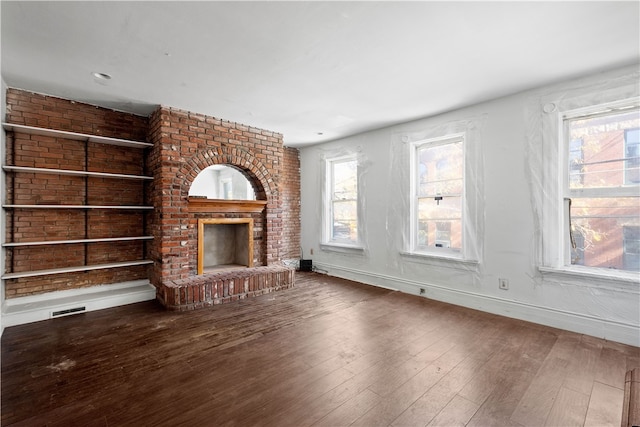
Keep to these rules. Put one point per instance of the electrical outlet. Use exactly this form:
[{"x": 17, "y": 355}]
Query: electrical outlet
[{"x": 503, "y": 284}]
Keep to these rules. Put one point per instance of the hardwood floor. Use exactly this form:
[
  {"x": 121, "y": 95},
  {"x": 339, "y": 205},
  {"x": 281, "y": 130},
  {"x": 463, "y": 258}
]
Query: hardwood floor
[{"x": 327, "y": 352}]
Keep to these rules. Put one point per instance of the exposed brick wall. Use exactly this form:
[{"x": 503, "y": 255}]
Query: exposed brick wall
[
  {"x": 185, "y": 143},
  {"x": 30, "y": 225},
  {"x": 291, "y": 204},
  {"x": 32, "y": 109}
]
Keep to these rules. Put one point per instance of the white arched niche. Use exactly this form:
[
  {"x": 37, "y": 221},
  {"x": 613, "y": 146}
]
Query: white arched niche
[{"x": 222, "y": 182}]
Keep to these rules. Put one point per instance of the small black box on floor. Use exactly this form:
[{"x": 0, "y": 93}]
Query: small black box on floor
[{"x": 306, "y": 265}]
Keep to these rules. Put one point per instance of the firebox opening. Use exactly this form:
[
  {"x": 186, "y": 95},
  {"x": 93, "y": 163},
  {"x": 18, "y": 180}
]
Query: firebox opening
[{"x": 224, "y": 243}]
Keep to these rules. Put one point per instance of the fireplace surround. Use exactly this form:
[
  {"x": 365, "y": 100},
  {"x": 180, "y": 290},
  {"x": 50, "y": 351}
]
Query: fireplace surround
[{"x": 224, "y": 243}]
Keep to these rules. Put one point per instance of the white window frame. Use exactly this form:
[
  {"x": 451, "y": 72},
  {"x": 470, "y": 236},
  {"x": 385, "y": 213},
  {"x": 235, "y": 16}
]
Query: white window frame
[
  {"x": 328, "y": 220},
  {"x": 555, "y": 237},
  {"x": 443, "y": 252}
]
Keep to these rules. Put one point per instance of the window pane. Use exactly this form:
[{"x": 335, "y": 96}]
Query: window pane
[
  {"x": 632, "y": 152},
  {"x": 344, "y": 227},
  {"x": 345, "y": 180},
  {"x": 440, "y": 169},
  {"x": 576, "y": 161},
  {"x": 631, "y": 248},
  {"x": 439, "y": 223},
  {"x": 601, "y": 150},
  {"x": 598, "y": 227}
]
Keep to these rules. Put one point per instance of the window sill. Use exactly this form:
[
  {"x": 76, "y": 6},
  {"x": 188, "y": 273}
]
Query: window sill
[
  {"x": 441, "y": 261},
  {"x": 601, "y": 278},
  {"x": 342, "y": 248}
]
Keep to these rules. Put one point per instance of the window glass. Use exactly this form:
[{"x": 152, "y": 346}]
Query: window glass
[
  {"x": 632, "y": 153},
  {"x": 603, "y": 187},
  {"x": 438, "y": 195},
  {"x": 342, "y": 203}
]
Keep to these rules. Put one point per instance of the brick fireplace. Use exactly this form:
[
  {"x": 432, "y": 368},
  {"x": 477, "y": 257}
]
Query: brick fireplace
[{"x": 185, "y": 144}]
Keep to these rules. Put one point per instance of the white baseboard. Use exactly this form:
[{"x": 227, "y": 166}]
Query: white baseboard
[
  {"x": 18, "y": 311},
  {"x": 626, "y": 333}
]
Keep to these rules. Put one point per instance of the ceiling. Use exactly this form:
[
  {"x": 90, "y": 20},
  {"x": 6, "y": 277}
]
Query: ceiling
[{"x": 313, "y": 71}]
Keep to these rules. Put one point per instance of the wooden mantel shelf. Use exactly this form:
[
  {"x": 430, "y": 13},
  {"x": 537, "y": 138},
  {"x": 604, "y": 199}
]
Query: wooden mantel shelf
[{"x": 220, "y": 205}]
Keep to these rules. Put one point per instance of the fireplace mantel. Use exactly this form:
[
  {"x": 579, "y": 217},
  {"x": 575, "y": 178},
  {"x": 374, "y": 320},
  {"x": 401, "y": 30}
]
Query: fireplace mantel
[{"x": 197, "y": 204}]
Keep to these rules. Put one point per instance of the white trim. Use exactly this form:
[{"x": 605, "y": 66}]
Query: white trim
[
  {"x": 610, "y": 278},
  {"x": 18, "y": 311},
  {"x": 441, "y": 260},
  {"x": 341, "y": 248},
  {"x": 623, "y": 332}
]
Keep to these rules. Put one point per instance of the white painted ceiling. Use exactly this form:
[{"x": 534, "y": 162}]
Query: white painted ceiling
[{"x": 304, "y": 68}]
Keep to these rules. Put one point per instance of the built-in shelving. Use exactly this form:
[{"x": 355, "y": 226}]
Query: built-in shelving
[
  {"x": 65, "y": 242},
  {"x": 73, "y": 172},
  {"x": 12, "y": 169},
  {"x": 74, "y": 136},
  {"x": 75, "y": 269}
]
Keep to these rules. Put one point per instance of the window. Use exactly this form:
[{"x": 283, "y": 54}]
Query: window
[
  {"x": 438, "y": 196},
  {"x": 341, "y": 219},
  {"x": 602, "y": 188}
]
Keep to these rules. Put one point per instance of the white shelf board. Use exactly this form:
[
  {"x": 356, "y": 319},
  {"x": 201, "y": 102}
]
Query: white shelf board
[
  {"x": 72, "y": 172},
  {"x": 74, "y": 207},
  {"x": 74, "y": 135},
  {"x": 62, "y": 242},
  {"x": 34, "y": 273}
]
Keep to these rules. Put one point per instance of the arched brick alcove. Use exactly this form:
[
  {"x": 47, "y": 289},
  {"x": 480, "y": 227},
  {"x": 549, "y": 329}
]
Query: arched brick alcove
[
  {"x": 259, "y": 176},
  {"x": 239, "y": 158}
]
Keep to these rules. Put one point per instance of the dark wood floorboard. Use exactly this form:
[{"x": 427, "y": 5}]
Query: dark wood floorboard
[{"x": 327, "y": 352}]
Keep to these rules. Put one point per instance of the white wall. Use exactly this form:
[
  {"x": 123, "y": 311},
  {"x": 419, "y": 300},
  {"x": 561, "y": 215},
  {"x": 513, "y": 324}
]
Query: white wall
[{"x": 509, "y": 230}]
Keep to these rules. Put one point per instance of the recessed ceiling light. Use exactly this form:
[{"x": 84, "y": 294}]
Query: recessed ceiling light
[{"x": 101, "y": 76}]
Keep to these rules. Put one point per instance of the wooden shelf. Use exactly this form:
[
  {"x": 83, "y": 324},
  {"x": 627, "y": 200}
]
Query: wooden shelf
[
  {"x": 220, "y": 205},
  {"x": 63, "y": 242},
  {"x": 75, "y": 136},
  {"x": 75, "y": 269},
  {"x": 74, "y": 207},
  {"x": 72, "y": 172}
]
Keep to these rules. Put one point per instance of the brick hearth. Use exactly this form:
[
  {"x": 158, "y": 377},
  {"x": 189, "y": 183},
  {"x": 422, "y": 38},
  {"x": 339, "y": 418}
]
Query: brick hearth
[{"x": 223, "y": 287}]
